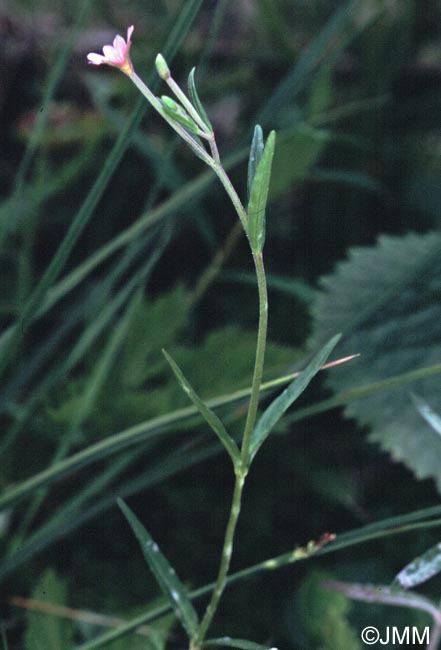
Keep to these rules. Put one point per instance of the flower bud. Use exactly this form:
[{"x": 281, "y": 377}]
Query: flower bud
[{"x": 162, "y": 67}]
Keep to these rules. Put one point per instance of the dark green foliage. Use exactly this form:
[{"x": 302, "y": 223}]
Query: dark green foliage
[
  {"x": 385, "y": 299},
  {"x": 107, "y": 226},
  {"x": 323, "y": 614},
  {"x": 44, "y": 630}
]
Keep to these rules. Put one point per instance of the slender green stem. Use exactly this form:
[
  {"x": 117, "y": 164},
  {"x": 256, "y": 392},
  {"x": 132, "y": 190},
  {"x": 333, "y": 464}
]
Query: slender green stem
[
  {"x": 186, "y": 103},
  {"x": 260, "y": 357},
  {"x": 229, "y": 188},
  {"x": 227, "y": 551},
  {"x": 157, "y": 105},
  {"x": 241, "y": 467}
]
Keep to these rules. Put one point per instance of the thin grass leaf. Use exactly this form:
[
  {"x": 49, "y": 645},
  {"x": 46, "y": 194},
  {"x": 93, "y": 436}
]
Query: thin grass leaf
[
  {"x": 196, "y": 101},
  {"x": 421, "y": 569},
  {"x": 241, "y": 644},
  {"x": 383, "y": 528},
  {"x": 164, "y": 574},
  {"x": 209, "y": 416},
  {"x": 256, "y": 151},
  {"x": 4, "y": 639},
  {"x": 55, "y": 74},
  {"x": 259, "y": 196},
  {"x": 99, "y": 495},
  {"x": 278, "y": 407},
  {"x": 172, "y": 421},
  {"x": 83, "y": 216},
  {"x": 330, "y": 41}
]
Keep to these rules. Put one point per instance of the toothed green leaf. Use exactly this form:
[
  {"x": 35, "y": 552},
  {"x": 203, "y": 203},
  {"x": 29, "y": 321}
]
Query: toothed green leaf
[{"x": 385, "y": 298}]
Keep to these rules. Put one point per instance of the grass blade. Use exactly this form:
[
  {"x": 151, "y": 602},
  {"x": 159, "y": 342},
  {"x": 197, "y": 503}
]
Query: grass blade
[
  {"x": 381, "y": 528},
  {"x": 84, "y": 215},
  {"x": 4, "y": 639},
  {"x": 171, "y": 421},
  {"x": 164, "y": 574},
  {"x": 241, "y": 644},
  {"x": 209, "y": 416},
  {"x": 278, "y": 407}
]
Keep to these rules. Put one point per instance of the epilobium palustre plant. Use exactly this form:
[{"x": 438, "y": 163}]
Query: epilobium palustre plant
[{"x": 186, "y": 115}]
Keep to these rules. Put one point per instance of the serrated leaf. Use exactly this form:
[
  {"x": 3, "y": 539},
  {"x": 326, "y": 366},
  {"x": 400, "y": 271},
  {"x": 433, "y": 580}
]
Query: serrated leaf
[
  {"x": 241, "y": 644},
  {"x": 43, "y": 630},
  {"x": 196, "y": 101},
  {"x": 259, "y": 196},
  {"x": 278, "y": 407},
  {"x": 209, "y": 416},
  {"x": 164, "y": 573},
  {"x": 386, "y": 301},
  {"x": 256, "y": 151},
  {"x": 420, "y": 569}
]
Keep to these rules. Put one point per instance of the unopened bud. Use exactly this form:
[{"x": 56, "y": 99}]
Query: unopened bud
[
  {"x": 178, "y": 113},
  {"x": 162, "y": 67}
]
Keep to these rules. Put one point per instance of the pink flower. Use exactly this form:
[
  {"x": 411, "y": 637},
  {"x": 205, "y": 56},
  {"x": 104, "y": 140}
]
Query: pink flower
[{"x": 116, "y": 54}]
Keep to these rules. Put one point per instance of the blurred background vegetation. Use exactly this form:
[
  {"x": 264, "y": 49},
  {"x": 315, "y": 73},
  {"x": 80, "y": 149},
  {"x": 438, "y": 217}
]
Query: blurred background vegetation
[{"x": 353, "y": 90}]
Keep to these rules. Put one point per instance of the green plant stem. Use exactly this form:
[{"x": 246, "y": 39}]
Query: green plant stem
[
  {"x": 157, "y": 105},
  {"x": 260, "y": 358},
  {"x": 384, "y": 528},
  {"x": 227, "y": 550},
  {"x": 241, "y": 467}
]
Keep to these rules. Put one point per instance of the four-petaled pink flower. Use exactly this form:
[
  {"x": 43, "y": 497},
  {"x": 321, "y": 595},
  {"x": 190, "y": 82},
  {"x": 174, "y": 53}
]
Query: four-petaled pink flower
[{"x": 116, "y": 54}]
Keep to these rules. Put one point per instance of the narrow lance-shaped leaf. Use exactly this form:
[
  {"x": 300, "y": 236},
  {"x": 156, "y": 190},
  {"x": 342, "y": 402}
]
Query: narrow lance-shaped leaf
[
  {"x": 420, "y": 569},
  {"x": 164, "y": 574},
  {"x": 240, "y": 644},
  {"x": 196, "y": 101},
  {"x": 209, "y": 416},
  {"x": 259, "y": 196},
  {"x": 278, "y": 407},
  {"x": 256, "y": 151}
]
